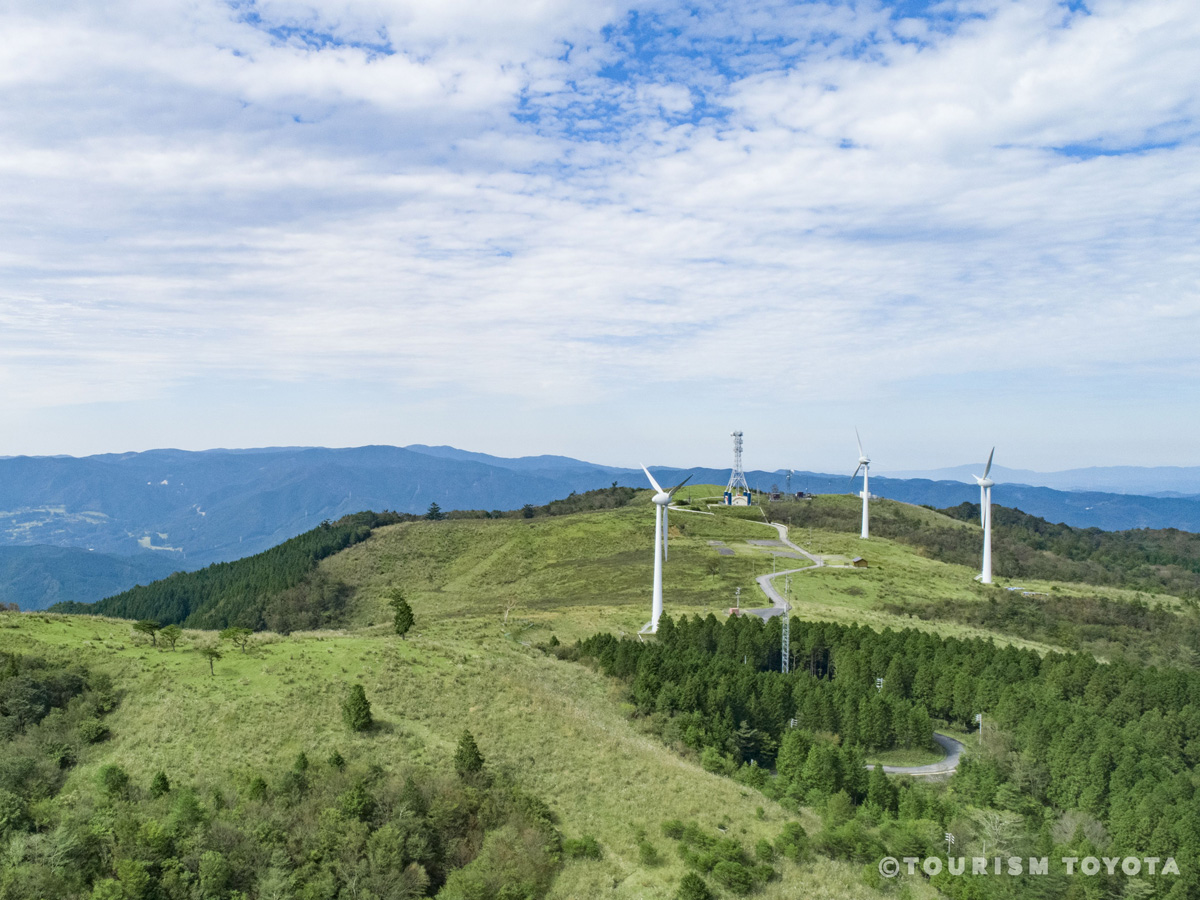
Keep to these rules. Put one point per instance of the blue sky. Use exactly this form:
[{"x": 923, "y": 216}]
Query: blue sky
[{"x": 607, "y": 230}]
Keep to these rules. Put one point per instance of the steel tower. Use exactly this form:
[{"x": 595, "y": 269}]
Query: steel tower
[{"x": 737, "y": 478}]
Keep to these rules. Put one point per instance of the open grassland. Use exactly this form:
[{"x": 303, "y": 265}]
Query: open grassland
[
  {"x": 557, "y": 727},
  {"x": 573, "y": 575},
  {"x": 560, "y": 728}
]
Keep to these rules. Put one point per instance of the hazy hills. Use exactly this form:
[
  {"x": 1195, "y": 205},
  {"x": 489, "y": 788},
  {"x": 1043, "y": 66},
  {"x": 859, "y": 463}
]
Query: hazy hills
[
  {"x": 35, "y": 577},
  {"x": 190, "y": 509},
  {"x": 1150, "y": 481}
]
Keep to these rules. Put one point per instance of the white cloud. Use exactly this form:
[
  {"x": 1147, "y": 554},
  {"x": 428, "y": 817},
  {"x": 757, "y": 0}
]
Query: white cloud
[{"x": 197, "y": 191}]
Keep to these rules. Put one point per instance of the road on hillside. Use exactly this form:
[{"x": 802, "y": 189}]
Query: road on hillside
[
  {"x": 954, "y": 749},
  {"x": 764, "y": 581},
  {"x": 942, "y": 767}
]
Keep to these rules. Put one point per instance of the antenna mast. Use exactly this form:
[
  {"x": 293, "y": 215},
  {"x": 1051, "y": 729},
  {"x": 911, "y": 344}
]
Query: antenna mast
[{"x": 737, "y": 478}]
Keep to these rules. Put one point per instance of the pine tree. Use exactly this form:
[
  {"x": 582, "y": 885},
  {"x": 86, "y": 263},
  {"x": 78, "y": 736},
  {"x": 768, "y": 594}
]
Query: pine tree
[
  {"x": 467, "y": 758},
  {"x": 159, "y": 785},
  {"x": 403, "y": 619},
  {"x": 434, "y": 513},
  {"x": 356, "y": 710},
  {"x": 880, "y": 792}
]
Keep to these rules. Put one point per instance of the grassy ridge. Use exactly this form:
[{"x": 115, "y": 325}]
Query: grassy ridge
[{"x": 559, "y": 730}]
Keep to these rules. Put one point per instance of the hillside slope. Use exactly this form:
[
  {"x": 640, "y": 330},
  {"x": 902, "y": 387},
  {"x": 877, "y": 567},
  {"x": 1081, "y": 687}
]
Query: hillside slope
[{"x": 484, "y": 593}]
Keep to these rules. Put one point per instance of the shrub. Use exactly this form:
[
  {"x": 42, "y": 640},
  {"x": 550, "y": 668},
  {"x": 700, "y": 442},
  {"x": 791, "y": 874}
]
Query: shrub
[
  {"x": 648, "y": 854},
  {"x": 733, "y": 877},
  {"x": 92, "y": 731},
  {"x": 585, "y": 847},
  {"x": 792, "y": 842},
  {"x": 356, "y": 710},
  {"x": 257, "y": 789},
  {"x": 673, "y": 828},
  {"x": 12, "y": 813},
  {"x": 113, "y": 780},
  {"x": 159, "y": 785},
  {"x": 357, "y": 803},
  {"x": 693, "y": 887}
]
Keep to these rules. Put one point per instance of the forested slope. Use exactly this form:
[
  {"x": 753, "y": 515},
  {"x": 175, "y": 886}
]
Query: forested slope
[{"x": 277, "y": 589}]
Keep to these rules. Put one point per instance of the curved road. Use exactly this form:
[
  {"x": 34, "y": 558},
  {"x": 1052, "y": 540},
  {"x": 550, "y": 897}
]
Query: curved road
[
  {"x": 764, "y": 581},
  {"x": 954, "y": 749},
  {"x": 945, "y": 766}
]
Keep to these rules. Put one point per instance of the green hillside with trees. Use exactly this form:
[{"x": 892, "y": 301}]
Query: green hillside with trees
[{"x": 478, "y": 718}]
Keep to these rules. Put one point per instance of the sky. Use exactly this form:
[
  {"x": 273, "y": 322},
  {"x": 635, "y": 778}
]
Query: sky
[{"x": 611, "y": 231}]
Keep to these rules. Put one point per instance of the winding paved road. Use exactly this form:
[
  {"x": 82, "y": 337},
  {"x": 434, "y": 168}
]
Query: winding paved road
[
  {"x": 764, "y": 581},
  {"x": 945, "y": 766}
]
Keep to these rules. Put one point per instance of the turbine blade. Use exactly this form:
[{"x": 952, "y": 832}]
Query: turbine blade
[
  {"x": 860, "y": 450},
  {"x": 678, "y": 486},
  {"x": 652, "y": 481},
  {"x": 856, "y": 471},
  {"x": 982, "y": 494},
  {"x": 989, "y": 465}
]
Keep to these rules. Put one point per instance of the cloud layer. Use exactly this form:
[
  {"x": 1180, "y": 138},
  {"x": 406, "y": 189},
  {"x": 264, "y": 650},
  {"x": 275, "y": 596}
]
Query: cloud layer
[{"x": 821, "y": 210}]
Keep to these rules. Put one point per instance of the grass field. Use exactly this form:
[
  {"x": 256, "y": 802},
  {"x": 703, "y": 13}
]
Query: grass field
[{"x": 561, "y": 729}]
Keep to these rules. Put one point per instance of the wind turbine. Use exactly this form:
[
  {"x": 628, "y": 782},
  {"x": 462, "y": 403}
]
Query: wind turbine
[
  {"x": 864, "y": 463},
  {"x": 985, "y": 517},
  {"x": 661, "y": 501}
]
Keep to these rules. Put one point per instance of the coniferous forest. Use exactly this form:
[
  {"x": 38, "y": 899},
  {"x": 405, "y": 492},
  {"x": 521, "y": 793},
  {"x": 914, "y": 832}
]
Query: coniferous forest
[{"x": 1082, "y": 758}]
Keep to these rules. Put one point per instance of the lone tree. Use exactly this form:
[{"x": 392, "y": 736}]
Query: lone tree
[
  {"x": 149, "y": 628},
  {"x": 467, "y": 758},
  {"x": 171, "y": 634},
  {"x": 212, "y": 654},
  {"x": 435, "y": 512},
  {"x": 160, "y": 785},
  {"x": 356, "y": 710},
  {"x": 239, "y": 636},
  {"x": 404, "y": 614}
]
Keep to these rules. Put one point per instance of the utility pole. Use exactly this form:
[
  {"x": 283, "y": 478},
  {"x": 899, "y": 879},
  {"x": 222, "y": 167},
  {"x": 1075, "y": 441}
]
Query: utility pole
[{"x": 787, "y": 624}]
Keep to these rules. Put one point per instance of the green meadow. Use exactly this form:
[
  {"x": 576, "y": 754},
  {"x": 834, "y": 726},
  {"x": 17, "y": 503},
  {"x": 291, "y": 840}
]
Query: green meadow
[{"x": 485, "y": 593}]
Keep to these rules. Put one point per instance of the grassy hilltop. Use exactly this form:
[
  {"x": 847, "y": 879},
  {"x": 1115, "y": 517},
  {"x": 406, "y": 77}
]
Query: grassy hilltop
[{"x": 486, "y": 592}]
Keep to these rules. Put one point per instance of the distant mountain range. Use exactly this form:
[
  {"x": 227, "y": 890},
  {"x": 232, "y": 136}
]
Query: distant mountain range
[
  {"x": 139, "y": 515},
  {"x": 1155, "y": 481}
]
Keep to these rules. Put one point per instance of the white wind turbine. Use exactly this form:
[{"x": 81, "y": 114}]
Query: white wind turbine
[
  {"x": 985, "y": 517},
  {"x": 661, "y": 500},
  {"x": 864, "y": 463}
]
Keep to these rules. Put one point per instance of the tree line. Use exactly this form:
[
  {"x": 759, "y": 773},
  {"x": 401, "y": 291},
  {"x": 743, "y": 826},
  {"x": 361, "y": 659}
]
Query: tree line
[
  {"x": 1071, "y": 739},
  {"x": 280, "y": 588}
]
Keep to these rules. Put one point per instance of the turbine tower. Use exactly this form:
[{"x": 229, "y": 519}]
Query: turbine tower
[
  {"x": 661, "y": 500},
  {"x": 737, "y": 478},
  {"x": 985, "y": 517},
  {"x": 864, "y": 463}
]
